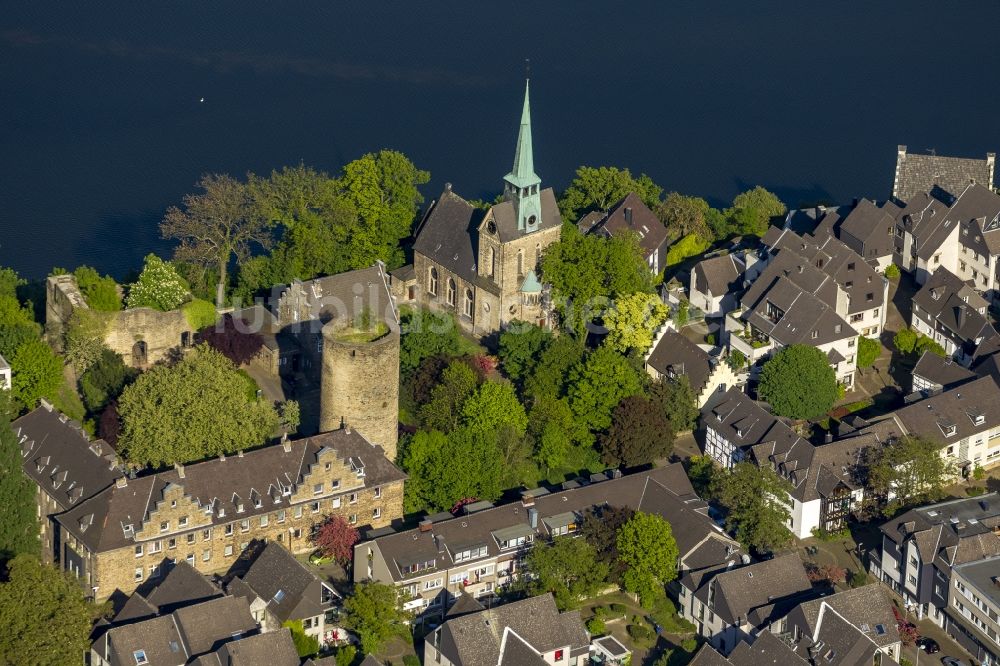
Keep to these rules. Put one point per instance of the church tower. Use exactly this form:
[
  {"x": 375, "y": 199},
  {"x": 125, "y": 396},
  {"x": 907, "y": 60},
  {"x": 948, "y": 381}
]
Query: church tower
[{"x": 522, "y": 185}]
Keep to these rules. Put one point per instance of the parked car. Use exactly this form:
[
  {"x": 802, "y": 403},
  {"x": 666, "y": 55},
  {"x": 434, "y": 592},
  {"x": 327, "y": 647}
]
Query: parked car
[
  {"x": 951, "y": 661},
  {"x": 318, "y": 558},
  {"x": 928, "y": 645}
]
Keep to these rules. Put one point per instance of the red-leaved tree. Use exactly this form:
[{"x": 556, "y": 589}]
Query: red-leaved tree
[
  {"x": 336, "y": 538},
  {"x": 237, "y": 345},
  {"x": 907, "y": 630},
  {"x": 829, "y": 573}
]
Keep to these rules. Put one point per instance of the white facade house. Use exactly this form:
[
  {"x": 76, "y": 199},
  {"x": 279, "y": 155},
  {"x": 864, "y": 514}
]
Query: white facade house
[
  {"x": 5, "y": 376},
  {"x": 673, "y": 355}
]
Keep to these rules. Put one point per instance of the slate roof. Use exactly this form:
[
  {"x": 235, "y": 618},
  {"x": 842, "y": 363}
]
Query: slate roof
[
  {"x": 766, "y": 649},
  {"x": 674, "y": 355},
  {"x": 60, "y": 457},
  {"x": 707, "y": 656},
  {"x": 977, "y": 210},
  {"x": 183, "y": 585},
  {"x": 925, "y": 217},
  {"x": 464, "y": 604},
  {"x": 324, "y": 299},
  {"x": 759, "y": 593},
  {"x": 719, "y": 275},
  {"x": 982, "y": 575},
  {"x": 917, "y": 173},
  {"x": 98, "y": 522},
  {"x": 291, "y": 591},
  {"x": 745, "y": 423},
  {"x": 959, "y": 407},
  {"x": 869, "y": 227},
  {"x": 837, "y": 642},
  {"x": 274, "y": 648},
  {"x": 628, "y": 215},
  {"x": 946, "y": 301},
  {"x": 524, "y": 628},
  {"x": 943, "y": 371},
  {"x": 814, "y": 471},
  {"x": 644, "y": 490},
  {"x": 506, "y": 219},
  {"x": 863, "y": 607}
]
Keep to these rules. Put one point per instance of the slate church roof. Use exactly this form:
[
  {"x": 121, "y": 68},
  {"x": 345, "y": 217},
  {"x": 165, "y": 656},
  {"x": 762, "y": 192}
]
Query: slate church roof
[{"x": 917, "y": 173}]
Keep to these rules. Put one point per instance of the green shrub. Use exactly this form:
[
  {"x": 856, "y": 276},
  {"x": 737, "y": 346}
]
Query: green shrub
[
  {"x": 978, "y": 473},
  {"x": 101, "y": 293},
  {"x": 903, "y": 661},
  {"x": 857, "y": 578},
  {"x": 602, "y": 612},
  {"x": 689, "y": 644},
  {"x": 411, "y": 660},
  {"x": 345, "y": 655},
  {"x": 641, "y": 635},
  {"x": 199, "y": 313},
  {"x": 305, "y": 644},
  {"x": 710, "y": 339},
  {"x": 892, "y": 272},
  {"x": 618, "y": 610},
  {"x": 688, "y": 246},
  {"x": 975, "y": 491},
  {"x": 595, "y": 626},
  {"x": 868, "y": 351}
]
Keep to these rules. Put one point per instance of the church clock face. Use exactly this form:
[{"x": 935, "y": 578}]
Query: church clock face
[{"x": 491, "y": 227}]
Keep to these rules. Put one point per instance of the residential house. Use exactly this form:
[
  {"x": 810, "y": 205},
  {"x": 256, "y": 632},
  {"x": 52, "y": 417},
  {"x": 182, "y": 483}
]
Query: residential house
[
  {"x": 825, "y": 487},
  {"x": 717, "y": 283},
  {"x": 280, "y": 589},
  {"x": 948, "y": 310},
  {"x": 530, "y": 632},
  {"x": 482, "y": 266},
  {"x": 963, "y": 420},
  {"x": 610, "y": 651},
  {"x": 181, "y": 586},
  {"x": 737, "y": 423},
  {"x": 673, "y": 355},
  {"x": 818, "y": 628},
  {"x": 631, "y": 215},
  {"x": 869, "y": 229},
  {"x": 203, "y": 633},
  {"x": 207, "y": 513},
  {"x": 934, "y": 373},
  {"x": 737, "y": 604},
  {"x": 917, "y": 173},
  {"x": 481, "y": 550},
  {"x": 974, "y": 609},
  {"x": 766, "y": 648},
  {"x": 921, "y": 548},
  {"x": 67, "y": 467}
]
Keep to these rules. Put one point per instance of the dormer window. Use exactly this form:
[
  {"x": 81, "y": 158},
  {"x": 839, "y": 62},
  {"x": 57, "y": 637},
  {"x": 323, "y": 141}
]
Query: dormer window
[{"x": 239, "y": 508}]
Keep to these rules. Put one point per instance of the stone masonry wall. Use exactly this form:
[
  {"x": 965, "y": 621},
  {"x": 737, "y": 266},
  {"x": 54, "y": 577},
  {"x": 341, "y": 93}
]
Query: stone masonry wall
[
  {"x": 160, "y": 331},
  {"x": 360, "y": 387}
]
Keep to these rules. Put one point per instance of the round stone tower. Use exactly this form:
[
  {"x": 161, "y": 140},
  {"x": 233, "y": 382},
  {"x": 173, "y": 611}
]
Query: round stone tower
[{"x": 360, "y": 382}]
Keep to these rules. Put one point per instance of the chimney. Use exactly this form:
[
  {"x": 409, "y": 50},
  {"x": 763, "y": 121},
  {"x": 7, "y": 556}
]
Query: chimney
[
  {"x": 533, "y": 517},
  {"x": 827, "y": 438},
  {"x": 527, "y": 499},
  {"x": 180, "y": 469},
  {"x": 286, "y": 445},
  {"x": 628, "y": 215},
  {"x": 425, "y": 525},
  {"x": 239, "y": 453},
  {"x": 447, "y": 187},
  {"x": 961, "y": 316},
  {"x": 121, "y": 482},
  {"x": 222, "y": 457}
]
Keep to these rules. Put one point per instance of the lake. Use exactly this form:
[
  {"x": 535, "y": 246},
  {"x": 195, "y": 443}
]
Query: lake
[{"x": 103, "y": 124}]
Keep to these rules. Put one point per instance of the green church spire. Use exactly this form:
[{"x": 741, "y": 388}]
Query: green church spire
[{"x": 522, "y": 185}]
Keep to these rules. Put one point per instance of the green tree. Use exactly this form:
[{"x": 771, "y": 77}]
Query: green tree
[
  {"x": 633, "y": 319},
  {"x": 684, "y": 215},
  {"x": 906, "y": 472},
  {"x": 442, "y": 412},
  {"x": 554, "y": 432},
  {"x": 598, "y": 384},
  {"x": 798, "y": 382},
  {"x": 597, "y": 188},
  {"x": 688, "y": 246},
  {"x": 551, "y": 373},
  {"x": 600, "y": 528},
  {"x": 493, "y": 406},
  {"x": 305, "y": 645},
  {"x": 36, "y": 373},
  {"x": 677, "y": 400},
  {"x": 104, "y": 380},
  {"x": 584, "y": 293},
  {"x": 446, "y": 468},
  {"x": 45, "y": 617},
  {"x": 18, "y": 524},
  {"x": 905, "y": 340},
  {"x": 647, "y": 548},
  {"x": 426, "y": 334},
  {"x": 567, "y": 568},
  {"x": 639, "y": 434},
  {"x": 84, "y": 337},
  {"x": 755, "y": 498},
  {"x": 9, "y": 282},
  {"x": 101, "y": 293},
  {"x": 892, "y": 272},
  {"x": 158, "y": 287},
  {"x": 372, "y": 612},
  {"x": 521, "y": 346},
  {"x": 868, "y": 351},
  {"x": 752, "y": 211},
  {"x": 702, "y": 473},
  {"x": 214, "y": 227},
  {"x": 196, "y": 409},
  {"x": 17, "y": 326},
  {"x": 736, "y": 360},
  {"x": 926, "y": 344}
]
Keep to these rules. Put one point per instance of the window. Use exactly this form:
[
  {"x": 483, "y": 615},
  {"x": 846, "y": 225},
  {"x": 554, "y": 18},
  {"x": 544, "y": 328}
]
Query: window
[
  {"x": 138, "y": 573},
  {"x": 912, "y": 579},
  {"x": 138, "y": 550},
  {"x": 432, "y": 584},
  {"x": 206, "y": 555},
  {"x": 875, "y": 312},
  {"x": 870, "y": 296},
  {"x": 155, "y": 547},
  {"x": 857, "y": 317},
  {"x": 376, "y": 512},
  {"x": 140, "y": 657},
  {"x": 171, "y": 543},
  {"x": 189, "y": 537},
  {"x": 318, "y": 489},
  {"x": 314, "y": 507},
  {"x": 378, "y": 492},
  {"x": 850, "y": 266},
  {"x": 450, "y": 295},
  {"x": 354, "y": 498},
  {"x": 164, "y": 526},
  {"x": 336, "y": 502},
  {"x": 432, "y": 282},
  {"x": 264, "y": 520},
  {"x": 244, "y": 526},
  {"x": 190, "y": 559},
  {"x": 307, "y": 623},
  {"x": 229, "y": 529},
  {"x": 520, "y": 262},
  {"x": 815, "y": 334},
  {"x": 335, "y": 484},
  {"x": 182, "y": 521},
  {"x": 206, "y": 534},
  {"x": 850, "y": 343},
  {"x": 469, "y": 303},
  {"x": 281, "y": 516},
  {"x": 298, "y": 512},
  {"x": 354, "y": 519},
  {"x": 228, "y": 551}
]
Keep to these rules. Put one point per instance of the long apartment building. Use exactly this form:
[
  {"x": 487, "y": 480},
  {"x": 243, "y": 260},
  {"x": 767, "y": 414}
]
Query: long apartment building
[
  {"x": 205, "y": 513},
  {"x": 482, "y": 550}
]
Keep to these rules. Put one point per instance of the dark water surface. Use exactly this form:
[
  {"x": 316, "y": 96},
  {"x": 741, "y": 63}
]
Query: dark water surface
[{"x": 101, "y": 127}]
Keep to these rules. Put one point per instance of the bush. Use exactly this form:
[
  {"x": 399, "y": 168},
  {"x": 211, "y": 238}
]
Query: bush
[
  {"x": 641, "y": 635},
  {"x": 411, "y": 660},
  {"x": 857, "y": 578},
  {"x": 975, "y": 491},
  {"x": 595, "y": 626},
  {"x": 689, "y": 644},
  {"x": 104, "y": 380},
  {"x": 868, "y": 351},
  {"x": 345, "y": 655},
  {"x": 199, "y": 313},
  {"x": 618, "y": 610},
  {"x": 101, "y": 293},
  {"x": 710, "y": 339},
  {"x": 892, "y": 272},
  {"x": 158, "y": 287},
  {"x": 978, "y": 473},
  {"x": 688, "y": 246},
  {"x": 305, "y": 644}
]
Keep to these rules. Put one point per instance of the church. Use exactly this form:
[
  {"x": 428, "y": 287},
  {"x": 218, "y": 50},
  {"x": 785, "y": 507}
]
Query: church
[{"x": 482, "y": 266}]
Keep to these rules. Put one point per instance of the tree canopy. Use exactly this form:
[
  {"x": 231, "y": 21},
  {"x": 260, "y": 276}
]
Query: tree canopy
[
  {"x": 196, "y": 409},
  {"x": 372, "y": 612},
  {"x": 598, "y": 384},
  {"x": 906, "y": 472},
  {"x": 600, "y": 528},
  {"x": 36, "y": 372},
  {"x": 868, "y": 351},
  {"x": 104, "y": 380},
  {"x": 45, "y": 617},
  {"x": 647, "y": 548},
  {"x": 677, "y": 400},
  {"x": 752, "y": 211},
  {"x": 798, "y": 382},
  {"x": 567, "y": 568},
  {"x": 18, "y": 524},
  {"x": 426, "y": 334},
  {"x": 683, "y": 215},
  {"x": 335, "y": 538},
  {"x": 100, "y": 292},
  {"x": 521, "y": 346},
  {"x": 755, "y": 498},
  {"x": 158, "y": 287},
  {"x": 446, "y": 468},
  {"x": 639, "y": 434},
  {"x": 234, "y": 340},
  {"x": 632, "y": 321},
  {"x": 597, "y": 188}
]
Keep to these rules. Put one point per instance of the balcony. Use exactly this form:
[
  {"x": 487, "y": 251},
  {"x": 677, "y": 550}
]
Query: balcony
[{"x": 751, "y": 343}]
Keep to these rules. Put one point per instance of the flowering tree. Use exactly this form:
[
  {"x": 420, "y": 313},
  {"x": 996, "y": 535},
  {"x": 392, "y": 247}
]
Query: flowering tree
[
  {"x": 159, "y": 286},
  {"x": 336, "y": 538},
  {"x": 907, "y": 630}
]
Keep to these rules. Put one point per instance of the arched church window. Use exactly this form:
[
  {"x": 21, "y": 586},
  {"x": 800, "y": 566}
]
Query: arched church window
[
  {"x": 538, "y": 254},
  {"x": 432, "y": 281},
  {"x": 450, "y": 296},
  {"x": 520, "y": 262},
  {"x": 493, "y": 261},
  {"x": 469, "y": 302}
]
